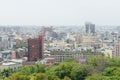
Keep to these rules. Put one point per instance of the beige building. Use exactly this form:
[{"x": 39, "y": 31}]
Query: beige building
[
  {"x": 117, "y": 50},
  {"x": 62, "y": 56},
  {"x": 89, "y": 40},
  {"x": 108, "y": 53}
]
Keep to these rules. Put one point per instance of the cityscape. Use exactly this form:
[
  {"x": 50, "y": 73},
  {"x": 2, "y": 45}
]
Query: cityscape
[
  {"x": 49, "y": 45},
  {"x": 59, "y": 40},
  {"x": 57, "y": 43}
]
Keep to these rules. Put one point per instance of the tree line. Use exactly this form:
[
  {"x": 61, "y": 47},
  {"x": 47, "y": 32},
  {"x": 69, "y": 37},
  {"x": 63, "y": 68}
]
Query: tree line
[{"x": 95, "y": 68}]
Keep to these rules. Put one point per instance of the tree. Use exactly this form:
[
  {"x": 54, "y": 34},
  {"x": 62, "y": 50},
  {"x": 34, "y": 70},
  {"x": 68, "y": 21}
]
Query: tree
[
  {"x": 62, "y": 70},
  {"x": 114, "y": 62},
  {"x": 99, "y": 63},
  {"x": 6, "y": 72},
  {"x": 39, "y": 76},
  {"x": 66, "y": 78},
  {"x": 18, "y": 76},
  {"x": 28, "y": 70},
  {"x": 111, "y": 71},
  {"x": 79, "y": 72},
  {"x": 97, "y": 77},
  {"x": 52, "y": 77}
]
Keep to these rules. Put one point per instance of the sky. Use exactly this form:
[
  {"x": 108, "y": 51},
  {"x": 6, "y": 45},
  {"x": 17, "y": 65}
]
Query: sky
[{"x": 59, "y": 12}]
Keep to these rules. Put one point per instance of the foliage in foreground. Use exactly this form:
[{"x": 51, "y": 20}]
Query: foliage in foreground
[{"x": 95, "y": 68}]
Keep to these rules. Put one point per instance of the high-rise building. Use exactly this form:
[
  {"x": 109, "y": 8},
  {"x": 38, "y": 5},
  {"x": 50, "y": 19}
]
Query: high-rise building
[
  {"x": 35, "y": 48},
  {"x": 117, "y": 48},
  {"x": 90, "y": 28},
  {"x": 79, "y": 38}
]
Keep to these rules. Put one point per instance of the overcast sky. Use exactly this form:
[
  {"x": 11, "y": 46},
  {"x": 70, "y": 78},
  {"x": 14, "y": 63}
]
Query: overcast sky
[{"x": 59, "y": 12}]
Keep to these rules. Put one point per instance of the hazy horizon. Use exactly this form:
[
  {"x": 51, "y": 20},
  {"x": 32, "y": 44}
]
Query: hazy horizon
[{"x": 59, "y": 12}]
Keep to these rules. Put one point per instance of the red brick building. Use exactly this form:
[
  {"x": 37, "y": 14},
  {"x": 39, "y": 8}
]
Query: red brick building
[{"x": 35, "y": 48}]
